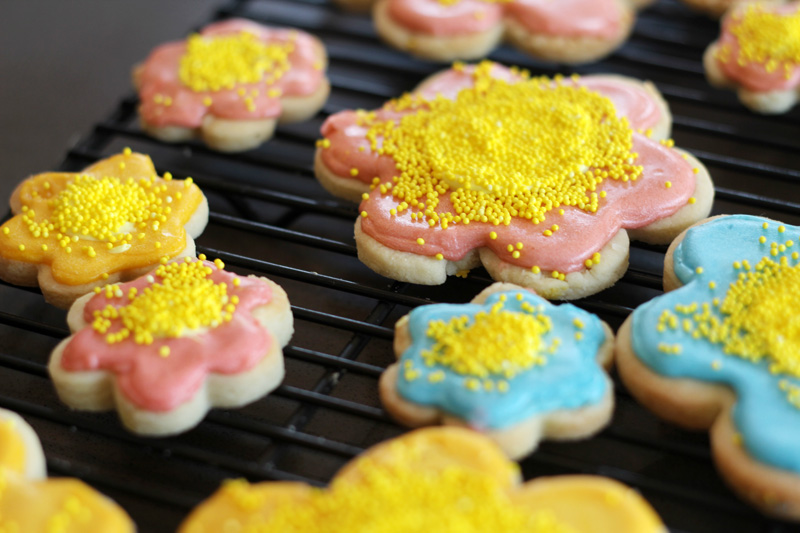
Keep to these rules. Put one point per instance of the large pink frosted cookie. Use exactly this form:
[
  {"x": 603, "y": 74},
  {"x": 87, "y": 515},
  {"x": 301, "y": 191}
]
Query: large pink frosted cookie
[
  {"x": 231, "y": 84},
  {"x": 440, "y": 480},
  {"x": 31, "y": 503},
  {"x": 758, "y": 55},
  {"x": 571, "y": 31},
  {"x": 170, "y": 345},
  {"x": 540, "y": 181}
]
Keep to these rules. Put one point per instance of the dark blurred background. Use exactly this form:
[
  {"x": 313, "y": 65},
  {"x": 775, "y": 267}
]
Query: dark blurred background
[{"x": 63, "y": 66}]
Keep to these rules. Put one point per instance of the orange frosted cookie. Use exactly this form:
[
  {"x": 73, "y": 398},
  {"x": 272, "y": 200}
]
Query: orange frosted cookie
[
  {"x": 758, "y": 55},
  {"x": 113, "y": 221},
  {"x": 509, "y": 364},
  {"x": 231, "y": 84},
  {"x": 31, "y": 503},
  {"x": 168, "y": 346},
  {"x": 569, "y": 31},
  {"x": 544, "y": 184},
  {"x": 437, "y": 480}
]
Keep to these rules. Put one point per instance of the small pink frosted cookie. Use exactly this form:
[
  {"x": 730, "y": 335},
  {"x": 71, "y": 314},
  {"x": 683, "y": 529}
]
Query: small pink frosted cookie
[
  {"x": 170, "y": 345},
  {"x": 543, "y": 185},
  {"x": 31, "y": 503},
  {"x": 440, "y": 480},
  {"x": 758, "y": 55},
  {"x": 231, "y": 84},
  {"x": 569, "y": 31},
  {"x": 508, "y": 364},
  {"x": 113, "y": 221}
]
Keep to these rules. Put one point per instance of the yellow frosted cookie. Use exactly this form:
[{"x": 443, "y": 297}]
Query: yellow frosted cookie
[
  {"x": 437, "y": 480},
  {"x": 31, "y": 503}
]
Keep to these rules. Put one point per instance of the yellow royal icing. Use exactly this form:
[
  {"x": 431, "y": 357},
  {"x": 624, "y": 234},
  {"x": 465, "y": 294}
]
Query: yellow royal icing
[
  {"x": 49, "y": 506},
  {"x": 440, "y": 479}
]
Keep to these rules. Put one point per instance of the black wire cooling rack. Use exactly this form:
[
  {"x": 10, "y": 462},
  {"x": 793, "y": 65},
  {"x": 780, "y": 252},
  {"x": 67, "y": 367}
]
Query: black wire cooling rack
[{"x": 269, "y": 216}]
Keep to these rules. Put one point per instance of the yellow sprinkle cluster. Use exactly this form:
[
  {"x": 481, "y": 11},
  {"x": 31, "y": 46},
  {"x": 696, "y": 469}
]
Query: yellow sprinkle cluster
[
  {"x": 182, "y": 297},
  {"x": 758, "y": 319},
  {"x": 394, "y": 498},
  {"x": 107, "y": 209},
  {"x": 497, "y": 342},
  {"x": 217, "y": 63},
  {"x": 522, "y": 150},
  {"x": 770, "y": 39}
]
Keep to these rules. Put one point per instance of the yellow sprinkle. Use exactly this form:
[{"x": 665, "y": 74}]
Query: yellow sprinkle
[
  {"x": 762, "y": 239},
  {"x": 420, "y": 241},
  {"x": 354, "y": 172},
  {"x": 21, "y": 247},
  {"x": 164, "y": 351},
  {"x": 699, "y": 270},
  {"x": 364, "y": 214},
  {"x": 515, "y": 254},
  {"x": 6, "y": 230},
  {"x": 667, "y": 184},
  {"x": 535, "y": 269},
  {"x": 439, "y": 257},
  {"x": 492, "y": 235},
  {"x": 127, "y": 151}
]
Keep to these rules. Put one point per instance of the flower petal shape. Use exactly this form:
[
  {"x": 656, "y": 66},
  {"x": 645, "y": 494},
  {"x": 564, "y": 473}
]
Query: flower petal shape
[
  {"x": 569, "y": 31},
  {"x": 438, "y": 479},
  {"x": 523, "y": 226},
  {"x": 113, "y": 221},
  {"x": 32, "y": 503},
  {"x": 720, "y": 352},
  {"x": 231, "y": 84},
  {"x": 758, "y": 54},
  {"x": 509, "y": 364},
  {"x": 167, "y": 347}
]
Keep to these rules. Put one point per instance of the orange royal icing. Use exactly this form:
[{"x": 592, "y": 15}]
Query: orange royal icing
[{"x": 113, "y": 216}]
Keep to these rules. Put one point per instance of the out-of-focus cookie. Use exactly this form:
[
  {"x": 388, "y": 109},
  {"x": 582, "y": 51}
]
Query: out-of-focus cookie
[
  {"x": 31, "y": 503},
  {"x": 569, "y": 31},
  {"x": 510, "y": 365},
  {"x": 111, "y": 222},
  {"x": 437, "y": 480},
  {"x": 758, "y": 55},
  {"x": 531, "y": 187},
  {"x": 231, "y": 84},
  {"x": 167, "y": 347},
  {"x": 719, "y": 352}
]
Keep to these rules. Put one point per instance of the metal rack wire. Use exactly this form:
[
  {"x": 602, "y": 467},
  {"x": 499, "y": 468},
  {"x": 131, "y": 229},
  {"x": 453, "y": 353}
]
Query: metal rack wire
[{"x": 269, "y": 216}]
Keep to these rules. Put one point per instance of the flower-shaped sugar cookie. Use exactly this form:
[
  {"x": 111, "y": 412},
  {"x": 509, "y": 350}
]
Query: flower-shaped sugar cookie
[
  {"x": 31, "y": 503},
  {"x": 113, "y": 221},
  {"x": 540, "y": 180},
  {"x": 509, "y": 364},
  {"x": 722, "y": 352},
  {"x": 570, "y": 31},
  {"x": 758, "y": 54},
  {"x": 167, "y": 347},
  {"x": 231, "y": 84},
  {"x": 435, "y": 480}
]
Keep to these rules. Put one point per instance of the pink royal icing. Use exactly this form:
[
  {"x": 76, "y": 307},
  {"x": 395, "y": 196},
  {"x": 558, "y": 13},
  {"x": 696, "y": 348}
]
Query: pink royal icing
[
  {"x": 159, "y": 79},
  {"x": 753, "y": 75},
  {"x": 157, "y": 383},
  {"x": 569, "y": 18},
  {"x": 626, "y": 205}
]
